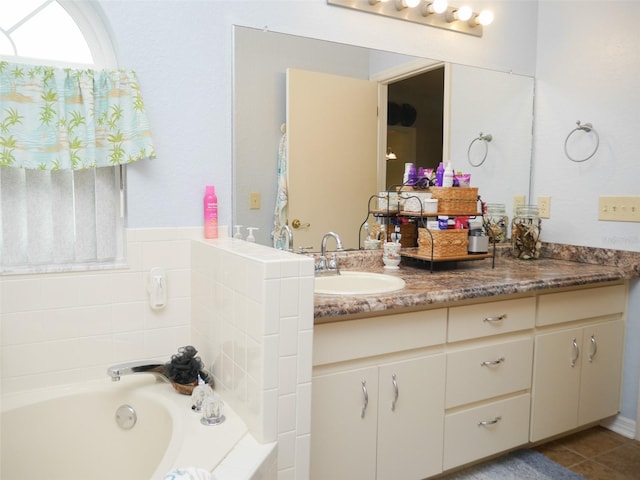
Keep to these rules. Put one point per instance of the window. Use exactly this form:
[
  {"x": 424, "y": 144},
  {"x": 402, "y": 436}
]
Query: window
[{"x": 64, "y": 219}]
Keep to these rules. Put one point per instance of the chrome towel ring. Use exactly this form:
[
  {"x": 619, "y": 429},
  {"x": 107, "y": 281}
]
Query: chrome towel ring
[
  {"x": 483, "y": 138},
  {"x": 588, "y": 128}
]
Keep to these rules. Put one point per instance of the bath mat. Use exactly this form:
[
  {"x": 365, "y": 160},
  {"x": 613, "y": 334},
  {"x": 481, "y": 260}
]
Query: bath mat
[{"x": 519, "y": 465}]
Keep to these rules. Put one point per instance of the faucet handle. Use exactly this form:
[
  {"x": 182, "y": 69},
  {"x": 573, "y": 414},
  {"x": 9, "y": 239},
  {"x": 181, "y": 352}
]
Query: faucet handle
[{"x": 302, "y": 249}]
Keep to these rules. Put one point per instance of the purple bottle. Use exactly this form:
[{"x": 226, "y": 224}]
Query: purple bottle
[{"x": 439, "y": 174}]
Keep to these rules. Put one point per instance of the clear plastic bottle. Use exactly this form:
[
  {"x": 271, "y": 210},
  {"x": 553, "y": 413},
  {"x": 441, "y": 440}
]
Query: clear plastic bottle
[
  {"x": 210, "y": 212},
  {"x": 525, "y": 233},
  {"x": 496, "y": 222},
  {"x": 447, "y": 178}
]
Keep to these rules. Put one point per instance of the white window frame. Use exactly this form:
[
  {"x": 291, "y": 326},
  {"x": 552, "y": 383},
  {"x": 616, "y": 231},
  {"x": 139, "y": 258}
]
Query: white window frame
[{"x": 89, "y": 19}]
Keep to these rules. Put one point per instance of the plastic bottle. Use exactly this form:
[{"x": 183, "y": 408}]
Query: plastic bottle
[
  {"x": 440, "y": 175},
  {"x": 447, "y": 178},
  {"x": 210, "y": 212}
]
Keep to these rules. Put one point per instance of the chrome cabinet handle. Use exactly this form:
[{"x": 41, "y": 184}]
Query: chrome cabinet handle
[
  {"x": 499, "y": 318},
  {"x": 396, "y": 392},
  {"x": 366, "y": 398},
  {"x": 594, "y": 348},
  {"x": 484, "y": 423},
  {"x": 488, "y": 363},
  {"x": 576, "y": 352}
]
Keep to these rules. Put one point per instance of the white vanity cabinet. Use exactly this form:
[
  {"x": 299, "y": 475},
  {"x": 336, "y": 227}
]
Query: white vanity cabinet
[
  {"x": 377, "y": 414},
  {"x": 578, "y": 359},
  {"x": 407, "y": 396},
  {"x": 488, "y": 381}
]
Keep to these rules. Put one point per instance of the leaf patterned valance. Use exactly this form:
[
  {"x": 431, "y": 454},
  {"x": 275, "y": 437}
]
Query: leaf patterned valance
[{"x": 62, "y": 118}]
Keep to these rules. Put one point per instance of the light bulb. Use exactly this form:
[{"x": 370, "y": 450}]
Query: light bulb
[
  {"x": 402, "y": 4},
  {"x": 464, "y": 13},
  {"x": 485, "y": 18},
  {"x": 437, "y": 6}
]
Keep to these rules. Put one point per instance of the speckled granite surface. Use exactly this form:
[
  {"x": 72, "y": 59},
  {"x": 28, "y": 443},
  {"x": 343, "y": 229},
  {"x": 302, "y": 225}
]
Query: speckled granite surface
[{"x": 560, "y": 266}]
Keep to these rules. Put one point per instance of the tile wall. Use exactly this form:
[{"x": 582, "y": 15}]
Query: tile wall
[{"x": 248, "y": 309}]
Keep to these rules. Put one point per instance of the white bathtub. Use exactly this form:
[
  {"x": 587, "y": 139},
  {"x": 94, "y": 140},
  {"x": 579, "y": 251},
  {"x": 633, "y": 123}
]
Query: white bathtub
[{"x": 68, "y": 433}]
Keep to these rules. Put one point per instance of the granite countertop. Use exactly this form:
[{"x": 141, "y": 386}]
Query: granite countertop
[{"x": 463, "y": 281}]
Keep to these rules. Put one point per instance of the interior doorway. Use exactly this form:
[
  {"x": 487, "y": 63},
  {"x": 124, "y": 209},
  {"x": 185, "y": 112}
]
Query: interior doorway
[{"x": 415, "y": 122}]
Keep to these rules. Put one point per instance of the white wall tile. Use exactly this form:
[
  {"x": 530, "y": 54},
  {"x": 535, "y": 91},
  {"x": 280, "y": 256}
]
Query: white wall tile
[
  {"x": 288, "y": 336},
  {"x": 303, "y": 409},
  {"x": 286, "y": 450},
  {"x": 303, "y": 457},
  {"x": 287, "y": 413},
  {"x": 288, "y": 373},
  {"x": 289, "y": 292}
]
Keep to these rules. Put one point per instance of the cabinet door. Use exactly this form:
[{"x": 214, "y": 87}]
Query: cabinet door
[
  {"x": 410, "y": 419},
  {"x": 343, "y": 425},
  {"x": 601, "y": 371},
  {"x": 556, "y": 383}
]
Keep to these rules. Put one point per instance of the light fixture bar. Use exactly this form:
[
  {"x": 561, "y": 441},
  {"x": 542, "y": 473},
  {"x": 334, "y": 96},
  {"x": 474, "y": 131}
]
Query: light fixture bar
[{"x": 415, "y": 14}]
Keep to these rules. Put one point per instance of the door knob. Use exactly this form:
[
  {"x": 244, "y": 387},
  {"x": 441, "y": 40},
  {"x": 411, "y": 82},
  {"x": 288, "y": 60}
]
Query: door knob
[{"x": 298, "y": 224}]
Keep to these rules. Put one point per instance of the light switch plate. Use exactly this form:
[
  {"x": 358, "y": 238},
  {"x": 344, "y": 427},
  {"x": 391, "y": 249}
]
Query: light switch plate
[
  {"x": 619, "y": 208},
  {"x": 544, "y": 206},
  {"x": 254, "y": 201}
]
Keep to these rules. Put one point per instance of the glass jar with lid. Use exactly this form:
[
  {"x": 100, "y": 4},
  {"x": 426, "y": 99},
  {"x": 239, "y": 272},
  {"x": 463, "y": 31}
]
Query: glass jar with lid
[
  {"x": 496, "y": 222},
  {"x": 525, "y": 233}
]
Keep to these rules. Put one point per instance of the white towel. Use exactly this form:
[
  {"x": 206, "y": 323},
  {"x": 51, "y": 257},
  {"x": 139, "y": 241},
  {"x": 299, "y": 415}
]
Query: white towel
[{"x": 189, "y": 474}]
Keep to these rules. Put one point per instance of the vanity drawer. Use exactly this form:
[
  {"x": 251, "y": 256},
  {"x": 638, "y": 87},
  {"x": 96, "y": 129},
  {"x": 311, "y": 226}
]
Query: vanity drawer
[
  {"x": 368, "y": 337},
  {"x": 492, "y": 318},
  {"x": 563, "y": 307},
  {"x": 484, "y": 372},
  {"x": 485, "y": 430}
]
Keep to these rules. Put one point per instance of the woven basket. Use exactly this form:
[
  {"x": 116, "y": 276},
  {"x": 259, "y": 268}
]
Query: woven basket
[
  {"x": 446, "y": 243},
  {"x": 455, "y": 206},
  {"x": 454, "y": 193}
]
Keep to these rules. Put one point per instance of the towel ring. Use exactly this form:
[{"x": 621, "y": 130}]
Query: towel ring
[
  {"x": 483, "y": 138},
  {"x": 586, "y": 127}
]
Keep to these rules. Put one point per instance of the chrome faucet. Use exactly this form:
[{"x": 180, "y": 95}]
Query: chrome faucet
[
  {"x": 148, "y": 366},
  {"x": 331, "y": 266},
  {"x": 288, "y": 235}
]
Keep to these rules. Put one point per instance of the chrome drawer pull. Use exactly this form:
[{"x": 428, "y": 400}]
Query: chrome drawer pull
[
  {"x": 395, "y": 391},
  {"x": 488, "y": 363},
  {"x": 484, "y": 423},
  {"x": 594, "y": 348},
  {"x": 366, "y": 399},
  {"x": 499, "y": 318},
  {"x": 576, "y": 352}
]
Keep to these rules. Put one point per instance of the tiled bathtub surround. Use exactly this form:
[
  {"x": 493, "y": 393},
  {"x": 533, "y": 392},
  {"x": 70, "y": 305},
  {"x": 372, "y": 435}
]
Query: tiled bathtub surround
[
  {"x": 253, "y": 309},
  {"x": 62, "y": 328},
  {"x": 248, "y": 309}
]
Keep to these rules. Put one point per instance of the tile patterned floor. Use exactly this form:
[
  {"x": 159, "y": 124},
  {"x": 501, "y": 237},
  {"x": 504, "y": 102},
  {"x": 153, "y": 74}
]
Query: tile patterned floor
[{"x": 597, "y": 454}]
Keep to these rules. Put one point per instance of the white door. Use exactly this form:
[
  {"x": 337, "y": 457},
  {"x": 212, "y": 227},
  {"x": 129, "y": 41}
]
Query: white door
[{"x": 332, "y": 146}]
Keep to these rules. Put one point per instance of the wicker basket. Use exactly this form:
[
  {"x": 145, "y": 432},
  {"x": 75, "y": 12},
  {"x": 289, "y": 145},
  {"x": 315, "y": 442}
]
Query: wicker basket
[
  {"x": 457, "y": 207},
  {"x": 454, "y": 193},
  {"x": 446, "y": 243}
]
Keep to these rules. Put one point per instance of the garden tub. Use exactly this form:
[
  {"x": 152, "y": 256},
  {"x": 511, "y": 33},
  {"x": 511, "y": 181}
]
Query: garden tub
[{"x": 74, "y": 432}]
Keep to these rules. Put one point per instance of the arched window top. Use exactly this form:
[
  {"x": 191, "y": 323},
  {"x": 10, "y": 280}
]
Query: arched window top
[{"x": 61, "y": 31}]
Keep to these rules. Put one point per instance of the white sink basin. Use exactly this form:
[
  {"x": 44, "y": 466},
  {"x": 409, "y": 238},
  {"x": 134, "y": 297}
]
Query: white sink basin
[{"x": 357, "y": 283}]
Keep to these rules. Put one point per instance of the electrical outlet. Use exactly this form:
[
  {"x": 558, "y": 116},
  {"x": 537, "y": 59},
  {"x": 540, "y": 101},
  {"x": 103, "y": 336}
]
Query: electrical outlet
[
  {"x": 254, "y": 200},
  {"x": 544, "y": 206},
  {"x": 619, "y": 208},
  {"x": 518, "y": 201}
]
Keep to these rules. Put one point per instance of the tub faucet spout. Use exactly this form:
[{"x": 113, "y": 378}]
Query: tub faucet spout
[{"x": 143, "y": 366}]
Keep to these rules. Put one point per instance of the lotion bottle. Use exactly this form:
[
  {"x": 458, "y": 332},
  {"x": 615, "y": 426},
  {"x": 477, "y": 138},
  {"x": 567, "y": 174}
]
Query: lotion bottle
[
  {"x": 210, "y": 212},
  {"x": 447, "y": 178}
]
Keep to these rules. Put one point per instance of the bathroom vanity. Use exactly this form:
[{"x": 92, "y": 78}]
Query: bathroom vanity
[{"x": 462, "y": 365}]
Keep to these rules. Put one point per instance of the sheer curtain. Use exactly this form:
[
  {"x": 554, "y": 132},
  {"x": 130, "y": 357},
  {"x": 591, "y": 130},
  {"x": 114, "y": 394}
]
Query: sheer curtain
[{"x": 65, "y": 135}]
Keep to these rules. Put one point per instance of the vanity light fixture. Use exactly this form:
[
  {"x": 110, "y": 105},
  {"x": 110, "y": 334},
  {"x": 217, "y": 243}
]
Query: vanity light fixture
[{"x": 434, "y": 13}]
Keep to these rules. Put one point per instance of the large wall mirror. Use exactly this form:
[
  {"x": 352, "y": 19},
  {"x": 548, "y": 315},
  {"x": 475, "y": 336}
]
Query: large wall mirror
[{"x": 469, "y": 101}]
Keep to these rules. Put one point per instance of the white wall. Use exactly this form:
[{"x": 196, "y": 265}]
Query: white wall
[
  {"x": 587, "y": 69},
  {"x": 182, "y": 51}
]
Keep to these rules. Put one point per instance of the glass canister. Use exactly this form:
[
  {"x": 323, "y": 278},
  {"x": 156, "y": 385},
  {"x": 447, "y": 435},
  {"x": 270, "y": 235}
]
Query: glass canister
[
  {"x": 525, "y": 233},
  {"x": 496, "y": 222}
]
